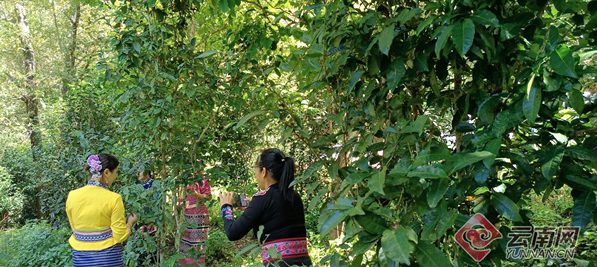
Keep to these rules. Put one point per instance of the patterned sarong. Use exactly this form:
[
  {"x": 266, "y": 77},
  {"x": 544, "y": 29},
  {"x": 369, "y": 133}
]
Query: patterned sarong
[
  {"x": 197, "y": 215},
  {"x": 110, "y": 257},
  {"x": 288, "y": 248}
]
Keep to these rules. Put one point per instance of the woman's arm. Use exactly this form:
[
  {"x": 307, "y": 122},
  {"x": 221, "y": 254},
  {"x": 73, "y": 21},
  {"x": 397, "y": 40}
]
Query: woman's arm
[
  {"x": 236, "y": 229},
  {"x": 120, "y": 230},
  {"x": 68, "y": 213}
]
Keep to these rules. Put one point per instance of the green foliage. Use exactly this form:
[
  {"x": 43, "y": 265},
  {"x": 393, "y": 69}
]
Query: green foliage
[
  {"x": 398, "y": 113},
  {"x": 20, "y": 184},
  {"x": 35, "y": 244},
  {"x": 11, "y": 200},
  {"x": 491, "y": 86}
]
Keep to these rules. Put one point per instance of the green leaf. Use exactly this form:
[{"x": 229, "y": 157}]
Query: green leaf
[
  {"x": 579, "y": 183},
  {"x": 372, "y": 223},
  {"x": 428, "y": 171},
  {"x": 553, "y": 84},
  {"x": 436, "y": 191},
  {"x": 485, "y": 111},
  {"x": 531, "y": 104},
  {"x": 463, "y": 35},
  {"x": 313, "y": 167},
  {"x": 355, "y": 78},
  {"x": 560, "y": 137},
  {"x": 494, "y": 147},
  {"x": 332, "y": 220},
  {"x": 248, "y": 117},
  {"x": 581, "y": 153},
  {"x": 486, "y": 18},
  {"x": 333, "y": 170},
  {"x": 435, "y": 154},
  {"x": 562, "y": 62},
  {"x": 361, "y": 246},
  {"x": 446, "y": 222},
  {"x": 317, "y": 198},
  {"x": 150, "y": 3},
  {"x": 315, "y": 51},
  {"x": 224, "y": 5},
  {"x": 357, "y": 261},
  {"x": 385, "y": 39},
  {"x": 442, "y": 40},
  {"x": 554, "y": 36},
  {"x": 576, "y": 100},
  {"x": 460, "y": 160},
  {"x": 231, "y": 4},
  {"x": 313, "y": 63},
  {"x": 406, "y": 15},
  {"x": 551, "y": 162},
  {"x": 396, "y": 245},
  {"x": 356, "y": 177},
  {"x": 137, "y": 46},
  {"x": 428, "y": 21},
  {"x": 421, "y": 62},
  {"x": 584, "y": 263},
  {"x": 245, "y": 249},
  {"x": 395, "y": 73},
  {"x": 429, "y": 255},
  {"x": 506, "y": 207},
  {"x": 584, "y": 205},
  {"x": 207, "y": 54},
  {"x": 377, "y": 181},
  {"x": 587, "y": 54},
  {"x": 415, "y": 126},
  {"x": 465, "y": 127}
]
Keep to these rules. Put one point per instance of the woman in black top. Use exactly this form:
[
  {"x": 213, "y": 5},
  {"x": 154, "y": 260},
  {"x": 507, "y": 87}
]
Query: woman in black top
[{"x": 278, "y": 208}]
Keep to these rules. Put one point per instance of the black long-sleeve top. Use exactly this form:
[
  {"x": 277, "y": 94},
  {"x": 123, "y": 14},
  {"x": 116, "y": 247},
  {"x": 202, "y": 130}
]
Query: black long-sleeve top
[{"x": 280, "y": 219}]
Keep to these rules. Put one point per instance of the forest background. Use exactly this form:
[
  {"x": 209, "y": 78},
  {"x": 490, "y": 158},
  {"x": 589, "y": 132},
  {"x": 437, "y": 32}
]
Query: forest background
[{"x": 405, "y": 118}]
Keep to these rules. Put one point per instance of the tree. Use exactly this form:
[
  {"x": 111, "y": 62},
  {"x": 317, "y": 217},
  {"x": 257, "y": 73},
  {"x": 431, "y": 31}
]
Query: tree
[{"x": 31, "y": 101}]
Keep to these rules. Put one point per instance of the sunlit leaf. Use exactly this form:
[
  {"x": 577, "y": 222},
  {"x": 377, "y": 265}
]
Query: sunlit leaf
[
  {"x": 443, "y": 39},
  {"x": 385, "y": 39},
  {"x": 531, "y": 104},
  {"x": 562, "y": 62},
  {"x": 397, "y": 246},
  {"x": 429, "y": 255},
  {"x": 463, "y": 35}
]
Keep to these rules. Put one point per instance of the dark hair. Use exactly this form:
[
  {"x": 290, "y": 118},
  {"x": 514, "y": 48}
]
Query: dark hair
[
  {"x": 108, "y": 162},
  {"x": 280, "y": 167}
]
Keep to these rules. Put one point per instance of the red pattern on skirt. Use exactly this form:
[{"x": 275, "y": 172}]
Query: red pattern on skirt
[{"x": 195, "y": 237}]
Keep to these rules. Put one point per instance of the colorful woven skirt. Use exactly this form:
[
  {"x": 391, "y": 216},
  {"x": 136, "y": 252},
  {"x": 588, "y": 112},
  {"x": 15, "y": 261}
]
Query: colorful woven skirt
[
  {"x": 110, "y": 257},
  {"x": 194, "y": 238},
  {"x": 294, "y": 251}
]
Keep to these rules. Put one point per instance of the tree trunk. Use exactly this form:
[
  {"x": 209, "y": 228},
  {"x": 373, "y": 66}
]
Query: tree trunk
[
  {"x": 31, "y": 101},
  {"x": 69, "y": 56},
  {"x": 343, "y": 160}
]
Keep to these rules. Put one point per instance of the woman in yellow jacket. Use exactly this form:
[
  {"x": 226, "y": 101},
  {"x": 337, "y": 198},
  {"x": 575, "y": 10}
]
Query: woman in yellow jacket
[{"x": 96, "y": 216}]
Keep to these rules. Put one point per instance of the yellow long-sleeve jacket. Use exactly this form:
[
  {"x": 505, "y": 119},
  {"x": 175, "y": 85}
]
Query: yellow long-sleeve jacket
[{"x": 96, "y": 216}]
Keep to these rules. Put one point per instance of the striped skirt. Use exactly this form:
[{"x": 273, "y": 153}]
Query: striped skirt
[
  {"x": 194, "y": 239},
  {"x": 110, "y": 257}
]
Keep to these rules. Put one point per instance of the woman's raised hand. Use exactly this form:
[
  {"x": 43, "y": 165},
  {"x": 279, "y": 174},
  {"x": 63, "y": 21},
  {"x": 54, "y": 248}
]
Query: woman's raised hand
[
  {"x": 132, "y": 219},
  {"x": 226, "y": 198}
]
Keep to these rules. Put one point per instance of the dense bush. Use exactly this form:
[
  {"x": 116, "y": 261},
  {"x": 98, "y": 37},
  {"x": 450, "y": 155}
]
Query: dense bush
[
  {"x": 11, "y": 199},
  {"x": 35, "y": 244}
]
